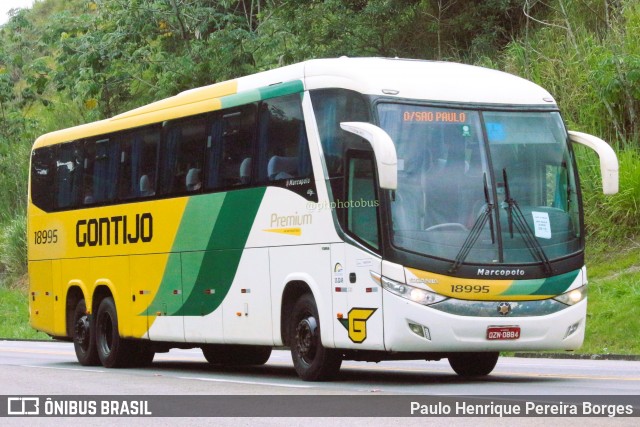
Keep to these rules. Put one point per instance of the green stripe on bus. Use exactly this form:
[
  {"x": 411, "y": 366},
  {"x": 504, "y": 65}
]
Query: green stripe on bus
[
  {"x": 226, "y": 244},
  {"x": 555, "y": 285},
  {"x": 198, "y": 220},
  {"x": 246, "y": 97},
  {"x": 205, "y": 256}
]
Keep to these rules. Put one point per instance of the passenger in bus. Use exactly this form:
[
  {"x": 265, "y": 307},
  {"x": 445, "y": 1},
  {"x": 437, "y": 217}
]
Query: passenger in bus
[
  {"x": 280, "y": 167},
  {"x": 193, "y": 179},
  {"x": 145, "y": 186},
  {"x": 245, "y": 171}
]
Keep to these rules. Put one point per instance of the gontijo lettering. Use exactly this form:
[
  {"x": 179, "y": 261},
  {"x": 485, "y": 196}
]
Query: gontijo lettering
[{"x": 115, "y": 230}]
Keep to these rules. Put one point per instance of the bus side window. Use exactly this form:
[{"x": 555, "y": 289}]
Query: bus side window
[
  {"x": 138, "y": 162},
  {"x": 181, "y": 164},
  {"x": 69, "y": 168},
  {"x": 284, "y": 150},
  {"x": 89, "y": 163},
  {"x": 42, "y": 177},
  {"x": 331, "y": 107},
  {"x": 230, "y": 148},
  {"x": 100, "y": 171}
]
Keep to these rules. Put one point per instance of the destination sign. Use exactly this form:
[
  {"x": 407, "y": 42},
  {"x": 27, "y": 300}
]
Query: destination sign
[{"x": 435, "y": 116}]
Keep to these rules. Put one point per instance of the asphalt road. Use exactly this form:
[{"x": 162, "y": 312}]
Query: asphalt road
[{"x": 50, "y": 368}]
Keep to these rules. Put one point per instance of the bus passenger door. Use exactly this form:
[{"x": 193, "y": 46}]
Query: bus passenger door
[{"x": 361, "y": 320}]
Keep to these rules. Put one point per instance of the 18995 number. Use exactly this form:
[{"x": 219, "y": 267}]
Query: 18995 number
[
  {"x": 470, "y": 289},
  {"x": 44, "y": 237}
]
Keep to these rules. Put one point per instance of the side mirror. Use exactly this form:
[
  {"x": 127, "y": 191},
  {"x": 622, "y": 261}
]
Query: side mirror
[
  {"x": 383, "y": 149},
  {"x": 608, "y": 159}
]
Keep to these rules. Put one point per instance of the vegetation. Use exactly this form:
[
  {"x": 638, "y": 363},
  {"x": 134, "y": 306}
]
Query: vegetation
[{"x": 66, "y": 62}]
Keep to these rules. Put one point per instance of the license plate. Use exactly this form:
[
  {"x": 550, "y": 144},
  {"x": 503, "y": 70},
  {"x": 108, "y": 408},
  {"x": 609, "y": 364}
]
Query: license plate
[{"x": 503, "y": 332}]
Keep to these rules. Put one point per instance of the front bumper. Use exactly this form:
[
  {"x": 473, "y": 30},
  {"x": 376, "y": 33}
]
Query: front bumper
[{"x": 446, "y": 332}]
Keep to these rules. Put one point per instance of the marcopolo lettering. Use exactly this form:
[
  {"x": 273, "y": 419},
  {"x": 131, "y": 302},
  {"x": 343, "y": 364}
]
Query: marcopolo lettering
[
  {"x": 115, "y": 230},
  {"x": 500, "y": 272}
]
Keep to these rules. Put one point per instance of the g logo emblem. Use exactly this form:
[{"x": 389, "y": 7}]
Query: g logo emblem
[{"x": 356, "y": 323}]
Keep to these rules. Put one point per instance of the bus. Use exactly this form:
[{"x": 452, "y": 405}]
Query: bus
[{"x": 347, "y": 209}]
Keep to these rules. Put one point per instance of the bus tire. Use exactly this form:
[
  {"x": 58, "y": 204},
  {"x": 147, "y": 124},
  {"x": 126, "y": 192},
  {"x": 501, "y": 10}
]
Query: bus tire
[
  {"x": 114, "y": 352},
  {"x": 312, "y": 361},
  {"x": 238, "y": 355},
  {"x": 473, "y": 364},
  {"x": 84, "y": 337}
]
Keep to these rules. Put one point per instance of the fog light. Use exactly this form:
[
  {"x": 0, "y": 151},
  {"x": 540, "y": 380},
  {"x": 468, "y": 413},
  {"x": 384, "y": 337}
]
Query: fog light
[
  {"x": 572, "y": 329},
  {"x": 420, "y": 330}
]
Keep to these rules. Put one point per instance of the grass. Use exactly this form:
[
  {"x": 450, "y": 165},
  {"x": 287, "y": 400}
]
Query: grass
[
  {"x": 14, "y": 312},
  {"x": 613, "y": 318}
]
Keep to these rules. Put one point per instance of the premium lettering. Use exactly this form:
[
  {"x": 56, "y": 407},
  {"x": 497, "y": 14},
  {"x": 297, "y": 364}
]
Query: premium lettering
[{"x": 290, "y": 220}]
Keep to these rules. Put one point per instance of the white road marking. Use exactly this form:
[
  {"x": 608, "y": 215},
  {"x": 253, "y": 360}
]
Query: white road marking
[{"x": 218, "y": 380}]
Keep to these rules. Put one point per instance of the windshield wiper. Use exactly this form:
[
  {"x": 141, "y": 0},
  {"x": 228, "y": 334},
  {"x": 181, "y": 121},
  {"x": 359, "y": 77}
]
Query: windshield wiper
[
  {"x": 476, "y": 230},
  {"x": 515, "y": 216}
]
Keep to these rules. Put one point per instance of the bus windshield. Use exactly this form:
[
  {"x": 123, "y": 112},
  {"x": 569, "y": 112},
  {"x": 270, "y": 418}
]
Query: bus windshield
[{"x": 482, "y": 187}]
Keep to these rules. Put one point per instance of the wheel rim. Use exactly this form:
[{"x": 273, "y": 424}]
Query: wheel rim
[
  {"x": 106, "y": 333},
  {"x": 306, "y": 339},
  {"x": 81, "y": 333}
]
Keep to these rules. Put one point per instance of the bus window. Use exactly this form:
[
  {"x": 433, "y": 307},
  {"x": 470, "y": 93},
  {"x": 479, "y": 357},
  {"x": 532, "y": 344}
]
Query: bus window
[
  {"x": 69, "y": 167},
  {"x": 181, "y": 165},
  {"x": 331, "y": 107},
  {"x": 42, "y": 173},
  {"x": 100, "y": 171},
  {"x": 138, "y": 162},
  {"x": 284, "y": 151},
  {"x": 230, "y": 148}
]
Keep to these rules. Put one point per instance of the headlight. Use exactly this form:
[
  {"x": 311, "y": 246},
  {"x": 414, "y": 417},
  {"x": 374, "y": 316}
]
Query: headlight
[
  {"x": 574, "y": 296},
  {"x": 421, "y": 296}
]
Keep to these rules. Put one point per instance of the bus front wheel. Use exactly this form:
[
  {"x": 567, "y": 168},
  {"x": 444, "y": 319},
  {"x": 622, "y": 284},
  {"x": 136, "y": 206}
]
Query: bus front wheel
[
  {"x": 312, "y": 361},
  {"x": 84, "y": 340},
  {"x": 473, "y": 364}
]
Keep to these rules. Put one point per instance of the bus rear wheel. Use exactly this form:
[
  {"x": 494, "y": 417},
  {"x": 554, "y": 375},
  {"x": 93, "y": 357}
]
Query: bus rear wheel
[
  {"x": 473, "y": 364},
  {"x": 114, "y": 352},
  {"x": 312, "y": 361},
  {"x": 238, "y": 355},
  {"x": 84, "y": 340}
]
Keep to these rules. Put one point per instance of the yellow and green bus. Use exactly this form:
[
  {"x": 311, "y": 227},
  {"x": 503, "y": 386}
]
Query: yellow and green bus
[{"x": 349, "y": 209}]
